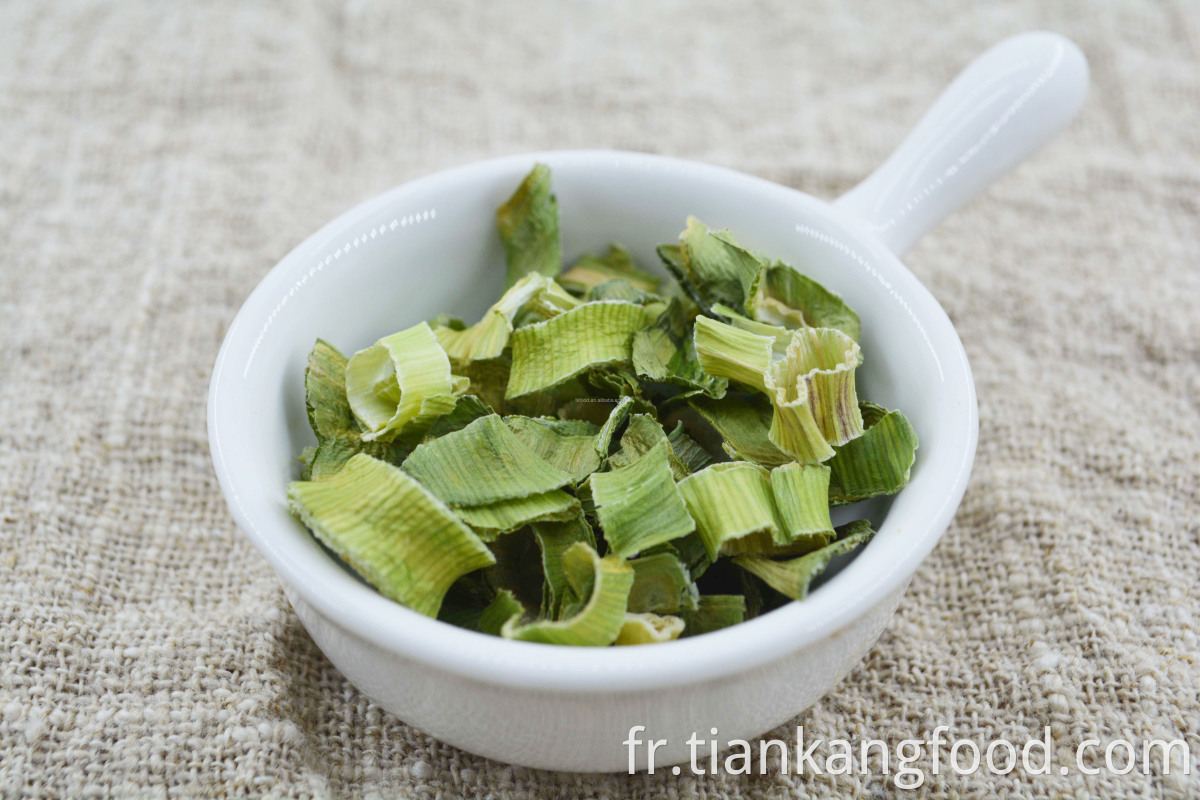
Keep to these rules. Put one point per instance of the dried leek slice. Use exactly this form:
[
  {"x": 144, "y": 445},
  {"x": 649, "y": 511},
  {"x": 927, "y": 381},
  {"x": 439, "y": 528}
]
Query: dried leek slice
[
  {"x": 641, "y": 435},
  {"x": 693, "y": 457},
  {"x": 602, "y": 588},
  {"x": 731, "y": 504},
  {"x": 713, "y": 612},
  {"x": 878, "y": 462},
  {"x": 503, "y": 608},
  {"x": 820, "y": 307},
  {"x": 503, "y": 516},
  {"x": 482, "y": 463},
  {"x": 721, "y": 270},
  {"x": 332, "y": 419},
  {"x": 818, "y": 369},
  {"x": 554, "y": 539},
  {"x": 648, "y": 629},
  {"x": 528, "y": 225},
  {"x": 744, "y": 424},
  {"x": 802, "y": 497},
  {"x": 549, "y": 353},
  {"x": 487, "y": 338},
  {"x": 569, "y": 445},
  {"x": 591, "y": 271},
  {"x": 665, "y": 352},
  {"x": 616, "y": 419},
  {"x": 390, "y": 530},
  {"x": 728, "y": 352},
  {"x": 661, "y": 584},
  {"x": 401, "y": 379},
  {"x": 639, "y": 505},
  {"x": 793, "y": 577}
]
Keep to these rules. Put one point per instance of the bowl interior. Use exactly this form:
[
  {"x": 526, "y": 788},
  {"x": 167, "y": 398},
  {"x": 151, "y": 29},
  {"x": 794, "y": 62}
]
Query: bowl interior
[{"x": 430, "y": 246}]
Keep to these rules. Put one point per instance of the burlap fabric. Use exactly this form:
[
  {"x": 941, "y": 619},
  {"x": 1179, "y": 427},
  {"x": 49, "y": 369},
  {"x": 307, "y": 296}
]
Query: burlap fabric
[{"x": 156, "y": 160}]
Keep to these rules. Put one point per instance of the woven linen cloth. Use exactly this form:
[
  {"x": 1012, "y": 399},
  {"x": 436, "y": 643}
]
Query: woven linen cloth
[{"x": 156, "y": 159}]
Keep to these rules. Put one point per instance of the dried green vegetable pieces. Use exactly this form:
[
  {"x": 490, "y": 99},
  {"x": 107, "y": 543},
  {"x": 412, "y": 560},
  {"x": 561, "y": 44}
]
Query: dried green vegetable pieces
[
  {"x": 591, "y": 271},
  {"x": 792, "y": 577},
  {"x": 819, "y": 307},
  {"x": 713, "y": 612},
  {"x": 549, "y": 353},
  {"x": 401, "y": 379},
  {"x": 600, "y": 588},
  {"x": 639, "y": 505},
  {"x": 661, "y": 585},
  {"x": 390, "y": 530},
  {"x": 604, "y": 458},
  {"x": 648, "y": 629},
  {"x": 482, "y": 463},
  {"x": 528, "y": 225},
  {"x": 878, "y": 462}
]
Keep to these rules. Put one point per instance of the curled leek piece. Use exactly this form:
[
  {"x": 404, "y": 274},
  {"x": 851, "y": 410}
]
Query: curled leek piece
[
  {"x": 546, "y": 354},
  {"x": 639, "y": 505},
  {"x": 528, "y": 225},
  {"x": 487, "y": 338},
  {"x": 648, "y": 629},
  {"x": 878, "y": 462},
  {"x": 713, "y": 612},
  {"x": 661, "y": 585},
  {"x": 787, "y": 290},
  {"x": 390, "y": 530},
  {"x": 718, "y": 268},
  {"x": 402, "y": 379},
  {"x": 732, "y": 502},
  {"x": 802, "y": 497},
  {"x": 554, "y": 539},
  {"x": 601, "y": 588},
  {"x": 792, "y": 578},
  {"x": 591, "y": 271}
]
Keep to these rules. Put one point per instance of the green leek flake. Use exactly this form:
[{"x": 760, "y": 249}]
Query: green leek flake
[
  {"x": 570, "y": 445},
  {"x": 664, "y": 352},
  {"x": 549, "y": 353},
  {"x": 721, "y": 270},
  {"x": 728, "y": 352},
  {"x": 793, "y": 578},
  {"x": 731, "y": 502},
  {"x": 482, "y": 463},
  {"x": 390, "y": 530},
  {"x": 487, "y": 338},
  {"x": 639, "y": 505},
  {"x": 332, "y": 420},
  {"x": 648, "y": 629},
  {"x": 401, "y": 379},
  {"x": 528, "y": 225},
  {"x": 819, "y": 307},
  {"x": 603, "y": 448},
  {"x": 503, "y": 608},
  {"x": 661, "y": 585},
  {"x": 591, "y": 271},
  {"x": 554, "y": 539},
  {"x": 878, "y": 462},
  {"x": 602, "y": 584},
  {"x": 713, "y": 612},
  {"x": 802, "y": 497},
  {"x": 504, "y": 516}
]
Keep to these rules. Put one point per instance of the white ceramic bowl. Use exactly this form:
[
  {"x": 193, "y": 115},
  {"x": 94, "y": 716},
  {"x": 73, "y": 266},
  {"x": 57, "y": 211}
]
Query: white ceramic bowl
[{"x": 430, "y": 246}]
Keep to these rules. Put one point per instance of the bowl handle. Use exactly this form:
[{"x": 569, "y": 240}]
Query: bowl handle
[{"x": 1007, "y": 103}]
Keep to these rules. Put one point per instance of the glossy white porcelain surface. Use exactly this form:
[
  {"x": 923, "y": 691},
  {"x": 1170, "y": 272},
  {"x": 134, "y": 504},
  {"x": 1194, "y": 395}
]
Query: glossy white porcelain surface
[{"x": 430, "y": 246}]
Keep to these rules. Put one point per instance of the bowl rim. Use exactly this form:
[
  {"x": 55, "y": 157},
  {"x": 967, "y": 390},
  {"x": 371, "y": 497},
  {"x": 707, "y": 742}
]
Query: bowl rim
[{"x": 863, "y": 584}]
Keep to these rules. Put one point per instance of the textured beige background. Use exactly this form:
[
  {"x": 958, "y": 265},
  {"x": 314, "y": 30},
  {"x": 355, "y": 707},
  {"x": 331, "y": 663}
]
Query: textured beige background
[{"x": 155, "y": 162}]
